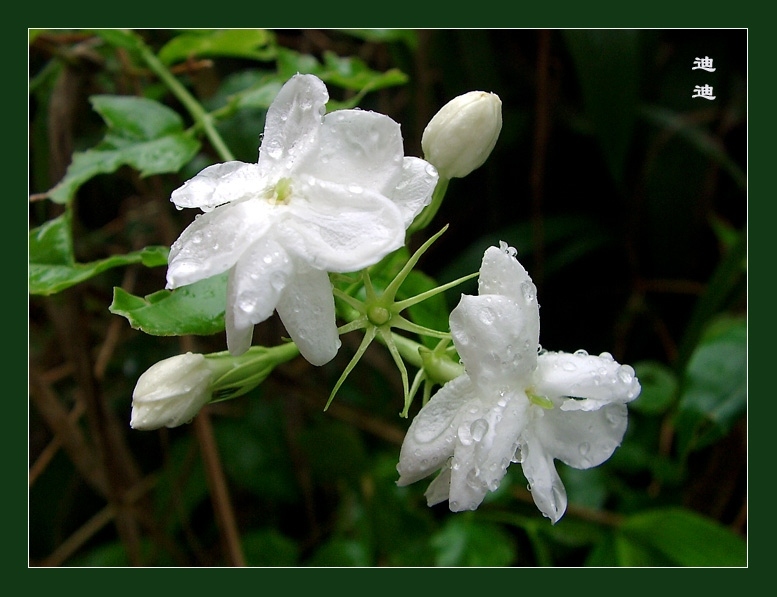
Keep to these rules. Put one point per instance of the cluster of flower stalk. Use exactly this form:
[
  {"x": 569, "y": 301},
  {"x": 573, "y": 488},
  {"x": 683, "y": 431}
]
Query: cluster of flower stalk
[{"x": 334, "y": 194}]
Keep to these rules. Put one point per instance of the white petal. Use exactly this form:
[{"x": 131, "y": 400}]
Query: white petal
[
  {"x": 486, "y": 442},
  {"x": 338, "y": 229},
  {"x": 582, "y": 439},
  {"x": 254, "y": 287},
  {"x": 215, "y": 241},
  {"x": 307, "y": 310},
  {"x": 357, "y": 147},
  {"x": 430, "y": 439},
  {"x": 219, "y": 184},
  {"x": 501, "y": 273},
  {"x": 495, "y": 342},
  {"x": 545, "y": 484},
  {"x": 293, "y": 122},
  {"x": 414, "y": 189},
  {"x": 439, "y": 489},
  {"x": 594, "y": 380}
]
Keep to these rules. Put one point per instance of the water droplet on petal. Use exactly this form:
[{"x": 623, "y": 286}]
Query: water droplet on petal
[
  {"x": 569, "y": 366},
  {"x": 626, "y": 374},
  {"x": 487, "y": 316},
  {"x": 584, "y": 448},
  {"x": 529, "y": 292},
  {"x": 478, "y": 429},
  {"x": 581, "y": 353}
]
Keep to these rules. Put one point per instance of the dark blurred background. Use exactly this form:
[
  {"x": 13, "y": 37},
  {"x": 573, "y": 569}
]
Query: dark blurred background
[{"x": 623, "y": 194}]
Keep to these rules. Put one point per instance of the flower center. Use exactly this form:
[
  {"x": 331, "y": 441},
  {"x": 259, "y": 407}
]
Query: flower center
[
  {"x": 541, "y": 401},
  {"x": 280, "y": 193}
]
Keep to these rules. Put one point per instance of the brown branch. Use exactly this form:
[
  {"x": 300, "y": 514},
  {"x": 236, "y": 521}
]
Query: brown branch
[{"x": 219, "y": 491}]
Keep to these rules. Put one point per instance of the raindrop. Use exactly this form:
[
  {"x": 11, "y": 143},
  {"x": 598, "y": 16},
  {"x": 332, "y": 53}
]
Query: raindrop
[
  {"x": 581, "y": 353},
  {"x": 569, "y": 366},
  {"x": 487, "y": 316},
  {"x": 431, "y": 170},
  {"x": 478, "y": 429},
  {"x": 626, "y": 374},
  {"x": 355, "y": 189},
  {"x": 529, "y": 292},
  {"x": 584, "y": 448}
]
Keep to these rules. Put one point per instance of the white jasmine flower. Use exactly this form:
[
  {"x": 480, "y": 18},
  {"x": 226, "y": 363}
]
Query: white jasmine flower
[
  {"x": 171, "y": 392},
  {"x": 514, "y": 404},
  {"x": 461, "y": 136},
  {"x": 330, "y": 193}
]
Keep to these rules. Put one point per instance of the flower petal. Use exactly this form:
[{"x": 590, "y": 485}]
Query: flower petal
[
  {"x": 307, "y": 310},
  {"x": 496, "y": 343},
  {"x": 439, "y": 489},
  {"x": 582, "y": 439},
  {"x": 219, "y": 184},
  {"x": 429, "y": 440},
  {"x": 293, "y": 122},
  {"x": 594, "y": 380},
  {"x": 488, "y": 436},
  {"x": 501, "y": 273},
  {"x": 338, "y": 229},
  {"x": 414, "y": 189},
  {"x": 215, "y": 241},
  {"x": 359, "y": 148},
  {"x": 546, "y": 487},
  {"x": 254, "y": 288}
]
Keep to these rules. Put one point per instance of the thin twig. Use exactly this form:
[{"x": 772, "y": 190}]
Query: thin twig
[{"x": 219, "y": 491}]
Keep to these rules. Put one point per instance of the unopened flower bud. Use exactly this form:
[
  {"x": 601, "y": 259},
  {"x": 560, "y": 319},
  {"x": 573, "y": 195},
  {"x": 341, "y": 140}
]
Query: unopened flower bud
[
  {"x": 171, "y": 392},
  {"x": 463, "y": 133}
]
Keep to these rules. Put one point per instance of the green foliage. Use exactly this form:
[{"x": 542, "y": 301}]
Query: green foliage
[
  {"x": 625, "y": 200},
  {"x": 194, "y": 309},
  {"x": 141, "y": 133},
  {"x": 53, "y": 268}
]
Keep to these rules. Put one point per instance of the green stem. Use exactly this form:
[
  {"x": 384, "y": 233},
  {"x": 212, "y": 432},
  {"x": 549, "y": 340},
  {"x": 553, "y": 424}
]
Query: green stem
[{"x": 198, "y": 113}]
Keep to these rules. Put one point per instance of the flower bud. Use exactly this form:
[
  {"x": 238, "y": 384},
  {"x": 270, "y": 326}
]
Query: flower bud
[
  {"x": 171, "y": 392},
  {"x": 462, "y": 134}
]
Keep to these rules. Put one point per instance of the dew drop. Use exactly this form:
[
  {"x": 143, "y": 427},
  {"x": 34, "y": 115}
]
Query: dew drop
[
  {"x": 581, "y": 353},
  {"x": 529, "y": 292},
  {"x": 478, "y": 429},
  {"x": 569, "y": 366},
  {"x": 626, "y": 374},
  {"x": 487, "y": 316},
  {"x": 355, "y": 189},
  {"x": 431, "y": 170},
  {"x": 584, "y": 448}
]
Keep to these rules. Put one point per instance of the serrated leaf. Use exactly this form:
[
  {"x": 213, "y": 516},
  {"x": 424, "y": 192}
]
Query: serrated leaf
[
  {"x": 52, "y": 267},
  {"x": 685, "y": 538},
  {"x": 714, "y": 391},
  {"x": 197, "y": 309},
  {"x": 142, "y": 133},
  {"x": 256, "y": 44}
]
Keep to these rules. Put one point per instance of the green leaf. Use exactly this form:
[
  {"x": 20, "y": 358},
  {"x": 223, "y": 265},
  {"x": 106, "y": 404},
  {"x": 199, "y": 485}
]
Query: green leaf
[
  {"x": 659, "y": 388},
  {"x": 714, "y": 390},
  {"x": 696, "y": 137},
  {"x": 406, "y": 36},
  {"x": 607, "y": 64},
  {"x": 52, "y": 266},
  {"x": 464, "y": 541},
  {"x": 142, "y": 133},
  {"x": 197, "y": 309},
  {"x": 348, "y": 72},
  {"x": 268, "y": 547},
  {"x": 255, "y": 44},
  {"x": 339, "y": 553},
  {"x": 684, "y": 538}
]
